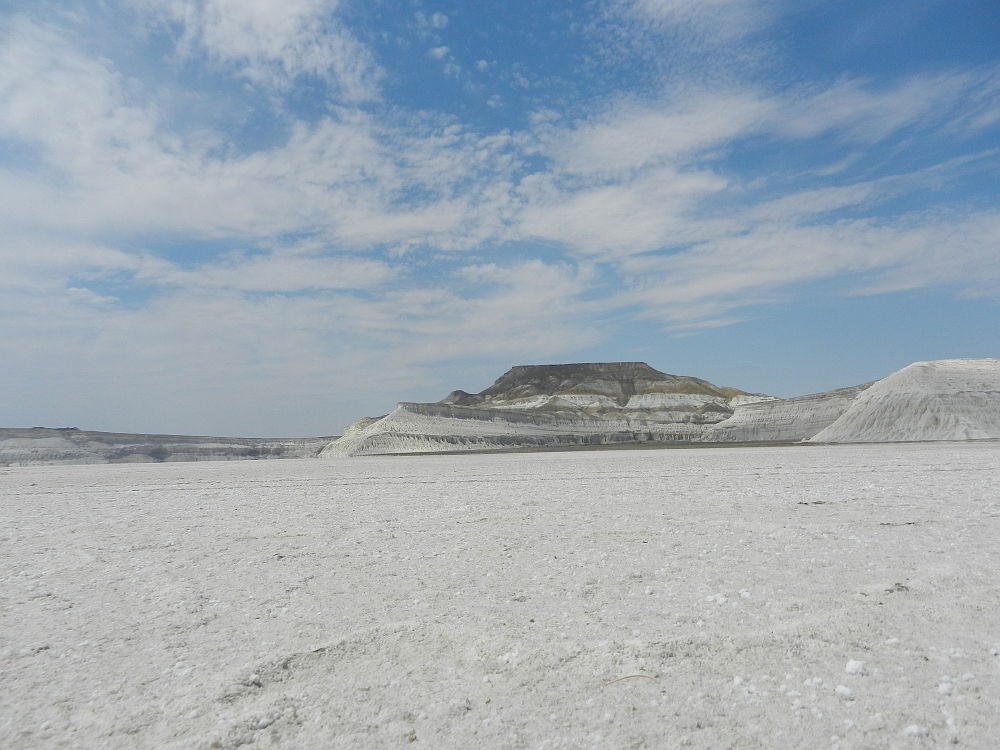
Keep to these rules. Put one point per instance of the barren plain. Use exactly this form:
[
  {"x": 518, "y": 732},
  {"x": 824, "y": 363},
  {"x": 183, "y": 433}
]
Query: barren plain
[{"x": 838, "y": 596}]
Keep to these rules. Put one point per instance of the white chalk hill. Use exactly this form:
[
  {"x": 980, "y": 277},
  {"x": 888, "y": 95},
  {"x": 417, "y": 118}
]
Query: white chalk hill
[
  {"x": 630, "y": 402},
  {"x": 950, "y": 399}
]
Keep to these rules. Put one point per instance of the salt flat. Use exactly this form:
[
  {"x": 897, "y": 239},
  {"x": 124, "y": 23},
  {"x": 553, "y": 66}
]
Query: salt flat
[{"x": 822, "y": 597}]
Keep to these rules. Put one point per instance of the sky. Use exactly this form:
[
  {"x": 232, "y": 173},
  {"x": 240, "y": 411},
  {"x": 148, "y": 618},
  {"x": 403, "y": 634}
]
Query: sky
[{"x": 275, "y": 217}]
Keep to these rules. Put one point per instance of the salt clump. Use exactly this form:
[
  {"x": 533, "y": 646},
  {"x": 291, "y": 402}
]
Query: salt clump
[{"x": 855, "y": 667}]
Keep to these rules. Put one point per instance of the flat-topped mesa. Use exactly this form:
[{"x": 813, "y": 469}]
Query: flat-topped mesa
[
  {"x": 614, "y": 383},
  {"x": 552, "y": 405}
]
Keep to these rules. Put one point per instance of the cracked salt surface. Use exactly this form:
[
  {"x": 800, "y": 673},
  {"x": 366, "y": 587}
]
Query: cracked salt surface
[{"x": 620, "y": 599}]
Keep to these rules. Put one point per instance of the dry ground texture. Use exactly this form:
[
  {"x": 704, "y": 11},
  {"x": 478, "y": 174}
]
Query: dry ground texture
[{"x": 820, "y": 597}]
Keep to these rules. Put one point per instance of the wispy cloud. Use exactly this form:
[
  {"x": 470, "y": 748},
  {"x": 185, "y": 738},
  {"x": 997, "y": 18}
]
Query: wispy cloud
[
  {"x": 713, "y": 21},
  {"x": 727, "y": 273},
  {"x": 271, "y": 41}
]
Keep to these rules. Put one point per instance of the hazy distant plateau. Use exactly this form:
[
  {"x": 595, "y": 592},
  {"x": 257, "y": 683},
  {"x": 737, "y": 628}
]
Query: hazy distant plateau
[{"x": 39, "y": 445}]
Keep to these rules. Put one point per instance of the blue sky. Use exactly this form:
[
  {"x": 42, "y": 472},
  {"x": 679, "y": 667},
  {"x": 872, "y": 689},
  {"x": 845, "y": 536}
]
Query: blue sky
[{"x": 274, "y": 217}]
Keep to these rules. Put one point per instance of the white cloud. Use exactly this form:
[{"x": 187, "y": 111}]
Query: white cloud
[
  {"x": 859, "y": 112},
  {"x": 727, "y": 19},
  {"x": 617, "y": 220},
  {"x": 273, "y": 41},
  {"x": 630, "y": 138},
  {"x": 280, "y": 271},
  {"x": 630, "y": 180},
  {"x": 71, "y": 103},
  {"x": 112, "y": 162},
  {"x": 720, "y": 275}
]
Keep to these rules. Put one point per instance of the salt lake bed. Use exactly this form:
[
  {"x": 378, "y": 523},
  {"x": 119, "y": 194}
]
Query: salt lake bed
[{"x": 822, "y": 597}]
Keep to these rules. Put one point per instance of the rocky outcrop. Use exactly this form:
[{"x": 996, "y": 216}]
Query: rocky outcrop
[
  {"x": 950, "y": 399},
  {"x": 38, "y": 445}
]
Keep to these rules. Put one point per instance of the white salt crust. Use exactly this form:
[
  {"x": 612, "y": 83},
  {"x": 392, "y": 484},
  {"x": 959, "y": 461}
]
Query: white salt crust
[{"x": 703, "y": 598}]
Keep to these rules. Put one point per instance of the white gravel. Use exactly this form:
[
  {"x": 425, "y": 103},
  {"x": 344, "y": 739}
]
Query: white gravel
[{"x": 683, "y": 598}]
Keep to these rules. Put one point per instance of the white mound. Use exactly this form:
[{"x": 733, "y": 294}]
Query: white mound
[{"x": 950, "y": 399}]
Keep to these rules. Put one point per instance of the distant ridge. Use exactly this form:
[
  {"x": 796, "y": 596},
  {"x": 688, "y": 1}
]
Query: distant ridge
[{"x": 70, "y": 445}]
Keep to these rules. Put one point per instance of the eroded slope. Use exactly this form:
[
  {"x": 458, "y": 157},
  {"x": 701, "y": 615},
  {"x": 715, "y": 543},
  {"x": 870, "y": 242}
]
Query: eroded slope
[{"x": 950, "y": 399}]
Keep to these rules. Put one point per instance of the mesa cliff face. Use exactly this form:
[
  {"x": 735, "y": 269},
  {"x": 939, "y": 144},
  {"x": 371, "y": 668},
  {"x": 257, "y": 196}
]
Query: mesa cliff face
[{"x": 630, "y": 402}]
